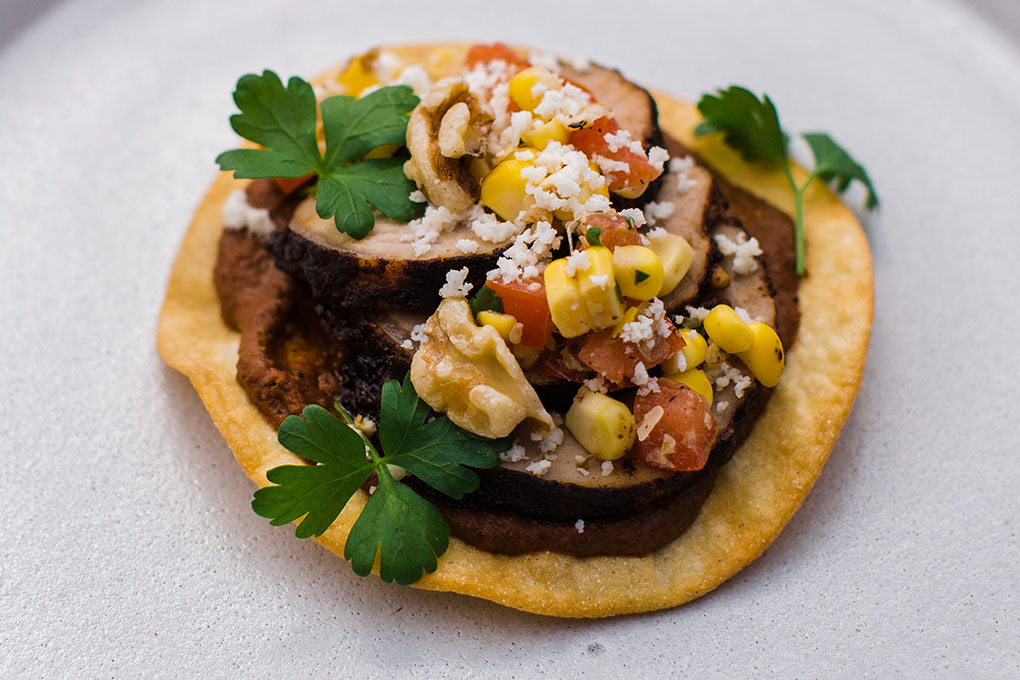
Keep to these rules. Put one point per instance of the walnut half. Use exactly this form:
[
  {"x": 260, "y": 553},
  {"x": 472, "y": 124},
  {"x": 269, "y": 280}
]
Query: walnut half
[
  {"x": 468, "y": 372},
  {"x": 448, "y": 127}
]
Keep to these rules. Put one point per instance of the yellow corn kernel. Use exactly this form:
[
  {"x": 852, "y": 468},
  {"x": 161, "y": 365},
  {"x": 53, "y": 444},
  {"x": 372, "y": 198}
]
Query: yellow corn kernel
[
  {"x": 356, "y": 78},
  {"x": 564, "y": 300},
  {"x": 583, "y": 195},
  {"x": 696, "y": 379},
  {"x": 691, "y": 356},
  {"x": 553, "y": 131},
  {"x": 765, "y": 358},
  {"x": 601, "y": 424},
  {"x": 628, "y": 316},
  {"x": 503, "y": 189},
  {"x": 522, "y": 86},
  {"x": 727, "y": 329},
  {"x": 599, "y": 301},
  {"x": 638, "y": 271},
  {"x": 676, "y": 255},
  {"x": 503, "y": 323}
]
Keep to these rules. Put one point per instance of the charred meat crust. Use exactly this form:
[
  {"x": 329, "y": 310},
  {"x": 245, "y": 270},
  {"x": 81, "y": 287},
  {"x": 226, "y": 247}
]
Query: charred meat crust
[
  {"x": 636, "y": 535},
  {"x": 339, "y": 278},
  {"x": 286, "y": 360}
]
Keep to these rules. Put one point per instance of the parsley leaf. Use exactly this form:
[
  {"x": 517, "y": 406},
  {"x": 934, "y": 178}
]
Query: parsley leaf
[
  {"x": 406, "y": 531},
  {"x": 283, "y": 119},
  {"x": 486, "y": 299},
  {"x": 751, "y": 126}
]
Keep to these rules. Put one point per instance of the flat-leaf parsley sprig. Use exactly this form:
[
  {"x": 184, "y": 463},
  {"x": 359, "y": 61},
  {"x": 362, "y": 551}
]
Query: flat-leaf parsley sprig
[
  {"x": 404, "y": 529},
  {"x": 282, "y": 120},
  {"x": 751, "y": 126}
]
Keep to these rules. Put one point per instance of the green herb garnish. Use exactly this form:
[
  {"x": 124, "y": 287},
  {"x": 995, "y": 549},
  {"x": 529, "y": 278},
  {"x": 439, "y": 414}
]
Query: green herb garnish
[
  {"x": 751, "y": 126},
  {"x": 282, "y": 120},
  {"x": 640, "y": 276},
  {"x": 485, "y": 300},
  {"x": 593, "y": 236},
  {"x": 404, "y": 529}
]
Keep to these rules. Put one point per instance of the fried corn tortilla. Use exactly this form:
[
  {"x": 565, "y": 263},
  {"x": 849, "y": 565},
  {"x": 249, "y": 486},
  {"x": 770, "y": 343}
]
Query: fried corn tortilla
[{"x": 756, "y": 493}]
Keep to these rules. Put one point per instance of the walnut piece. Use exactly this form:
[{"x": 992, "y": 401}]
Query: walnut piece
[{"x": 469, "y": 373}]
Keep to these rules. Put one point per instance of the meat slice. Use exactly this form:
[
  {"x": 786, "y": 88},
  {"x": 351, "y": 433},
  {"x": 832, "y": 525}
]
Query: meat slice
[{"x": 632, "y": 105}]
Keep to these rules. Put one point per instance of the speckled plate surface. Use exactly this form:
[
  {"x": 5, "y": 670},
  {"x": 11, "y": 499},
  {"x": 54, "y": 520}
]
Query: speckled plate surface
[{"x": 129, "y": 548}]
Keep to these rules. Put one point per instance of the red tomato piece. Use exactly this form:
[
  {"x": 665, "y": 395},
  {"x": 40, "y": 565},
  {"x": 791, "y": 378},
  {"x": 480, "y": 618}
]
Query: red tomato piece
[
  {"x": 480, "y": 54},
  {"x": 592, "y": 141},
  {"x": 550, "y": 362},
  {"x": 616, "y": 359},
  {"x": 526, "y": 302},
  {"x": 684, "y": 434},
  {"x": 614, "y": 228}
]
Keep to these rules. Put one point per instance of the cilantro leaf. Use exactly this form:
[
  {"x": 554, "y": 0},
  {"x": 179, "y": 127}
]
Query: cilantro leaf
[
  {"x": 834, "y": 164},
  {"x": 283, "y": 121},
  {"x": 320, "y": 491},
  {"x": 486, "y": 299},
  {"x": 407, "y": 531},
  {"x": 750, "y": 125},
  {"x": 345, "y": 195},
  {"x": 437, "y": 452}
]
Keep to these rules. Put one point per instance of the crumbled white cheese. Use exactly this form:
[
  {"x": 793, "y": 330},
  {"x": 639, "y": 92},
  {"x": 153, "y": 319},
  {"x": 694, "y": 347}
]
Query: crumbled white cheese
[
  {"x": 721, "y": 405},
  {"x": 697, "y": 314},
  {"x": 651, "y": 386},
  {"x": 650, "y": 322},
  {"x": 610, "y": 164},
  {"x": 488, "y": 227},
  {"x": 635, "y": 215},
  {"x": 656, "y": 212},
  {"x": 539, "y": 467},
  {"x": 563, "y": 103},
  {"x": 415, "y": 77},
  {"x": 408, "y": 344},
  {"x": 640, "y": 376},
  {"x": 622, "y": 139},
  {"x": 583, "y": 472},
  {"x": 520, "y": 260},
  {"x": 577, "y": 261},
  {"x": 743, "y": 250},
  {"x": 514, "y": 454},
  {"x": 365, "y": 424},
  {"x": 607, "y": 468},
  {"x": 456, "y": 285},
  {"x": 657, "y": 156},
  {"x": 418, "y": 333},
  {"x": 426, "y": 229},
  {"x": 600, "y": 280},
  {"x": 418, "y": 197},
  {"x": 238, "y": 213},
  {"x": 743, "y": 314},
  {"x": 548, "y": 443},
  {"x": 596, "y": 384},
  {"x": 681, "y": 164},
  {"x": 680, "y": 167},
  {"x": 467, "y": 246},
  {"x": 579, "y": 525},
  {"x": 386, "y": 65}
]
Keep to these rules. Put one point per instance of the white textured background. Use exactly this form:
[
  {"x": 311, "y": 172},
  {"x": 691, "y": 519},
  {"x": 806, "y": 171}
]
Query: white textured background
[{"x": 127, "y": 546}]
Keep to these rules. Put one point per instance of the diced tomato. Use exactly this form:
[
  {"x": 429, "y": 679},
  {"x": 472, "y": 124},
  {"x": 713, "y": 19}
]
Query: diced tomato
[
  {"x": 525, "y": 301},
  {"x": 480, "y": 54},
  {"x": 289, "y": 184},
  {"x": 592, "y": 141},
  {"x": 686, "y": 421},
  {"x": 615, "y": 230},
  {"x": 616, "y": 359},
  {"x": 550, "y": 362}
]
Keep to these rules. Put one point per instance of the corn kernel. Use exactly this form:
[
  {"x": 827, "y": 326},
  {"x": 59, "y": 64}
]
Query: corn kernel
[
  {"x": 638, "y": 271},
  {"x": 503, "y": 189},
  {"x": 676, "y": 255},
  {"x": 728, "y": 330},
  {"x": 564, "y": 300},
  {"x": 765, "y": 358},
  {"x": 691, "y": 356},
  {"x": 522, "y": 88},
  {"x": 503, "y": 323},
  {"x": 628, "y": 316},
  {"x": 553, "y": 131},
  {"x": 696, "y": 379},
  {"x": 356, "y": 78},
  {"x": 599, "y": 301},
  {"x": 601, "y": 424}
]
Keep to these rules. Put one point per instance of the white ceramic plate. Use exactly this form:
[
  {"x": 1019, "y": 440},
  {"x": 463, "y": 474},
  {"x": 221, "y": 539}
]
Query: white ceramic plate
[{"x": 129, "y": 548}]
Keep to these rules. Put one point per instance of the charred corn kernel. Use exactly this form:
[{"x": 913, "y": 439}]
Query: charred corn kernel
[
  {"x": 564, "y": 300},
  {"x": 691, "y": 356},
  {"x": 628, "y": 316},
  {"x": 601, "y": 424},
  {"x": 676, "y": 255},
  {"x": 638, "y": 271},
  {"x": 765, "y": 358},
  {"x": 503, "y": 323},
  {"x": 503, "y": 189},
  {"x": 523, "y": 90},
  {"x": 588, "y": 189},
  {"x": 696, "y": 379},
  {"x": 599, "y": 301},
  {"x": 727, "y": 329},
  {"x": 356, "y": 77},
  {"x": 553, "y": 131}
]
